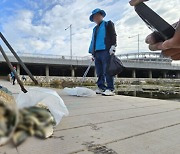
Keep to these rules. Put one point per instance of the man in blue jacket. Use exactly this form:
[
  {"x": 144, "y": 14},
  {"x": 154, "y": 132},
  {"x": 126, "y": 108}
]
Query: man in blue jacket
[{"x": 103, "y": 44}]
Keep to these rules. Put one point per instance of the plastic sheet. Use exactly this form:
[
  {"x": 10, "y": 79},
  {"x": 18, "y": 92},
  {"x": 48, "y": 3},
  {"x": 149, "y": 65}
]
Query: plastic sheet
[
  {"x": 80, "y": 92},
  {"x": 47, "y": 97}
]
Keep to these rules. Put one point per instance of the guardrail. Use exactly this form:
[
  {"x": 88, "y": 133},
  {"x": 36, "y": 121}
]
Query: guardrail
[
  {"x": 144, "y": 56},
  {"x": 128, "y": 59},
  {"x": 30, "y": 55},
  {"x": 135, "y": 56},
  {"x": 131, "y": 57}
]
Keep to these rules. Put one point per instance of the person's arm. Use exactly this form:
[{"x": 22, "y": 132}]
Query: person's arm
[
  {"x": 112, "y": 33},
  {"x": 112, "y": 36}
]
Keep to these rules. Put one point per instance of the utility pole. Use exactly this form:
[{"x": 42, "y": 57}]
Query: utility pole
[
  {"x": 138, "y": 37},
  {"x": 138, "y": 45},
  {"x": 70, "y": 28}
]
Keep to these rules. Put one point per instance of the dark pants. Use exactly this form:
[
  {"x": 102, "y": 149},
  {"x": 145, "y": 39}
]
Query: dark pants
[
  {"x": 13, "y": 79},
  {"x": 101, "y": 61}
]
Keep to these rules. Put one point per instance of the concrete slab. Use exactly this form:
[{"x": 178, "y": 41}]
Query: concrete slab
[
  {"x": 164, "y": 141},
  {"x": 8, "y": 149},
  {"x": 127, "y": 125}
]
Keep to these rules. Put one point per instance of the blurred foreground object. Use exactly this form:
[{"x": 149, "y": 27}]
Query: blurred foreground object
[
  {"x": 8, "y": 115},
  {"x": 29, "y": 115}
]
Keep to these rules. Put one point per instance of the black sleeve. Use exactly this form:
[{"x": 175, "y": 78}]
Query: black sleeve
[{"x": 112, "y": 33}]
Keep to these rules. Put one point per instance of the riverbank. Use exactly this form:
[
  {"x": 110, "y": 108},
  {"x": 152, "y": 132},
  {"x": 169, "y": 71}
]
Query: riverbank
[
  {"x": 62, "y": 82},
  {"x": 148, "y": 88}
]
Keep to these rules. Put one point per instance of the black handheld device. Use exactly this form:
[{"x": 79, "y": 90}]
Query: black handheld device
[{"x": 162, "y": 29}]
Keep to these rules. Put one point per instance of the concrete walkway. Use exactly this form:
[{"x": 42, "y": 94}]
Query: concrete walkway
[{"x": 120, "y": 124}]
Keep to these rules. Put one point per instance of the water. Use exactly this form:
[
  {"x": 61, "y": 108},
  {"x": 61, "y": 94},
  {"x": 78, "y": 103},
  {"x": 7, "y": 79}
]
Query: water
[{"x": 156, "y": 95}]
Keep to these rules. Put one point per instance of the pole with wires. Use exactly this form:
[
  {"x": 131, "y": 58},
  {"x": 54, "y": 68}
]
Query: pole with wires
[
  {"x": 138, "y": 36},
  {"x": 138, "y": 45},
  {"x": 71, "y": 51}
]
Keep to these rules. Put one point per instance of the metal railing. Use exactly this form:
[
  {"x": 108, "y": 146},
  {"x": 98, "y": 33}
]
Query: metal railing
[
  {"x": 49, "y": 56},
  {"x": 130, "y": 57},
  {"x": 134, "y": 56},
  {"x": 147, "y": 56},
  {"x": 127, "y": 59}
]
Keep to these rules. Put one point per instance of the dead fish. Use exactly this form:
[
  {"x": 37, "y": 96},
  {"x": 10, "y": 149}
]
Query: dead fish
[
  {"x": 8, "y": 116},
  {"x": 32, "y": 121},
  {"x": 31, "y": 131},
  {"x": 48, "y": 131},
  {"x": 45, "y": 132},
  {"x": 39, "y": 134},
  {"x": 22, "y": 127},
  {"x": 43, "y": 106},
  {"x": 19, "y": 137},
  {"x": 39, "y": 112}
]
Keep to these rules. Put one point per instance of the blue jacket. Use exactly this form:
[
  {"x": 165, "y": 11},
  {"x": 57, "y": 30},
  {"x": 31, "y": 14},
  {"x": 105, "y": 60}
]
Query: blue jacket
[
  {"x": 100, "y": 38},
  {"x": 104, "y": 35}
]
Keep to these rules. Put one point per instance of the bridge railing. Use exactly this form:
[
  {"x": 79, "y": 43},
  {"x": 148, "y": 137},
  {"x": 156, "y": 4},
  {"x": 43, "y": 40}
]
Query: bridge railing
[
  {"x": 30, "y": 55},
  {"x": 142, "y": 56}
]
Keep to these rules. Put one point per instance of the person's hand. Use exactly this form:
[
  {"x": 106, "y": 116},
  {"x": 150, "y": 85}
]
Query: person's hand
[
  {"x": 112, "y": 50},
  {"x": 135, "y": 2},
  {"x": 170, "y": 48}
]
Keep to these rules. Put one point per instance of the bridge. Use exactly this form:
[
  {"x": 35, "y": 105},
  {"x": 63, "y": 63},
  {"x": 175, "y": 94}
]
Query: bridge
[{"x": 142, "y": 65}]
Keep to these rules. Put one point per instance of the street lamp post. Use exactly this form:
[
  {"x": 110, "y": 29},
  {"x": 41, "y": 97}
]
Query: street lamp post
[
  {"x": 70, "y": 28},
  {"x": 138, "y": 36},
  {"x": 138, "y": 45}
]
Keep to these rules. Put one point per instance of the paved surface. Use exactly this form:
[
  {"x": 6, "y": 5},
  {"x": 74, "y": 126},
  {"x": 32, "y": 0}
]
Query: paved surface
[{"x": 127, "y": 125}]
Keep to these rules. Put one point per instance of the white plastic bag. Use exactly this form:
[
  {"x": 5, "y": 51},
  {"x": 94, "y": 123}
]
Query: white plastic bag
[
  {"x": 47, "y": 97},
  {"x": 80, "y": 92}
]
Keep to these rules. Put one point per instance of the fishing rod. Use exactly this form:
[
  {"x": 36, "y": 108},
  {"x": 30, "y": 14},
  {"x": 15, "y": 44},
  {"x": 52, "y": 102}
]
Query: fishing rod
[
  {"x": 18, "y": 59},
  {"x": 12, "y": 69}
]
